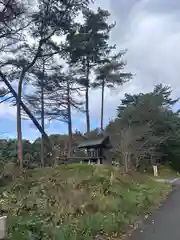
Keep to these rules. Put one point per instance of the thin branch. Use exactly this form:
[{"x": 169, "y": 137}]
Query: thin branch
[{"x": 4, "y": 100}]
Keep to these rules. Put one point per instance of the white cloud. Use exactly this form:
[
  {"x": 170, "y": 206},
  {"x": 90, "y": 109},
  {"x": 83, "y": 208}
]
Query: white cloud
[
  {"x": 7, "y": 111},
  {"x": 153, "y": 47},
  {"x": 150, "y": 30}
]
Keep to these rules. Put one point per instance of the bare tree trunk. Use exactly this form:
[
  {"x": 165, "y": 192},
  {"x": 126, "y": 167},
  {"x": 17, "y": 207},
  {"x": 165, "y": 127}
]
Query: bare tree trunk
[
  {"x": 19, "y": 136},
  {"x": 102, "y": 108},
  {"x": 87, "y": 98},
  {"x": 126, "y": 160},
  {"x": 69, "y": 120},
  {"x": 19, "y": 124},
  {"x": 42, "y": 115},
  {"x": 87, "y": 110}
]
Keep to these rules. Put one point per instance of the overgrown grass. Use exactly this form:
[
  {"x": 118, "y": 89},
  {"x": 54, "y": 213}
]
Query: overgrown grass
[
  {"x": 165, "y": 171},
  {"x": 76, "y": 202}
]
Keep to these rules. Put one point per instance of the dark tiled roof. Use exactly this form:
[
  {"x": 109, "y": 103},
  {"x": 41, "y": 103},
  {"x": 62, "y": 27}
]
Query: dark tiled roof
[{"x": 93, "y": 143}]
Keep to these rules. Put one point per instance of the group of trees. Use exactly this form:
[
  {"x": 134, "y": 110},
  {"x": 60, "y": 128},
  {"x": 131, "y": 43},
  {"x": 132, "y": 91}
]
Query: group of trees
[
  {"x": 146, "y": 129},
  {"x": 31, "y": 150},
  {"x": 45, "y": 48}
]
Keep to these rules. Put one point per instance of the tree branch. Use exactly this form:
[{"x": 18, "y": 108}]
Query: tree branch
[
  {"x": 4, "y": 100},
  {"x": 28, "y": 112}
]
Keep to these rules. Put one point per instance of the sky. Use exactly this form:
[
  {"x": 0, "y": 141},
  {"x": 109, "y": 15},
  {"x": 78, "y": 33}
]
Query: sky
[{"x": 150, "y": 31}]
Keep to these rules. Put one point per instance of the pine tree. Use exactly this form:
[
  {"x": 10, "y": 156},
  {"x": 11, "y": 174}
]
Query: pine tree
[
  {"x": 110, "y": 74},
  {"x": 90, "y": 42}
]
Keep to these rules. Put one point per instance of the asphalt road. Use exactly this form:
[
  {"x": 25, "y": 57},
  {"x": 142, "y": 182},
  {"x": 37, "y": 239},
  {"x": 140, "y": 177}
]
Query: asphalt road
[{"x": 164, "y": 224}]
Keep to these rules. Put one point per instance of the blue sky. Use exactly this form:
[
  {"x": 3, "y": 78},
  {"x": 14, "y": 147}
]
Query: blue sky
[
  {"x": 8, "y": 126},
  {"x": 8, "y": 123},
  {"x": 150, "y": 30}
]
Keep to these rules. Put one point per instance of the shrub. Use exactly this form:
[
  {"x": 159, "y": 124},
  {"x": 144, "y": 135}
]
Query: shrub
[{"x": 75, "y": 202}]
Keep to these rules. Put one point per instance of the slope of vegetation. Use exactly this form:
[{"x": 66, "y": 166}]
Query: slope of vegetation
[{"x": 76, "y": 202}]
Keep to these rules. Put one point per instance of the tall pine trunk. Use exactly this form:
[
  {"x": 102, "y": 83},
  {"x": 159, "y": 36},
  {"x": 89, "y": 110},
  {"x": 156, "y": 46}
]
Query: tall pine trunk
[
  {"x": 42, "y": 115},
  {"x": 87, "y": 110},
  {"x": 102, "y": 108},
  {"x": 19, "y": 136},
  {"x": 19, "y": 123},
  {"x": 87, "y": 97},
  {"x": 69, "y": 120}
]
